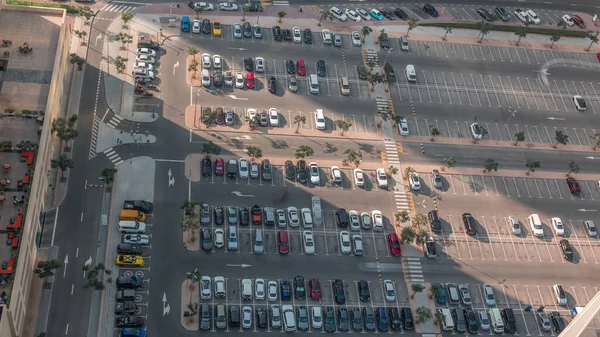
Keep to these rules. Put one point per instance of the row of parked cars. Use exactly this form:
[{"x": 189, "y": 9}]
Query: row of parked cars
[{"x": 360, "y": 14}]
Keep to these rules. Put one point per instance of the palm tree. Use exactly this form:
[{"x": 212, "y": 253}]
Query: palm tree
[
  {"x": 304, "y": 151},
  {"x": 324, "y": 15},
  {"x": 281, "y": 15},
  {"x": 244, "y": 11},
  {"x": 193, "y": 52},
  {"x": 299, "y": 120},
  {"x": 412, "y": 24},
  {"x": 554, "y": 38},
  {"x": 199, "y": 10},
  {"x": 254, "y": 152},
  {"x": 593, "y": 38},
  {"x": 484, "y": 30},
  {"x": 63, "y": 163},
  {"x": 521, "y": 32},
  {"x": 448, "y": 31},
  {"x": 366, "y": 30}
]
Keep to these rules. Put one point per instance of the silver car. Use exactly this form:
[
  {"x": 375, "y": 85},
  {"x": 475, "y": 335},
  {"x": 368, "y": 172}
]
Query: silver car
[
  {"x": 254, "y": 170},
  {"x": 229, "y": 117},
  {"x": 135, "y": 239},
  {"x": 257, "y": 30},
  {"x": 275, "y": 316},
  {"x": 302, "y": 316},
  {"x": 337, "y": 40},
  {"x": 205, "y": 215},
  {"x": 237, "y": 31},
  {"x": 293, "y": 84},
  {"x": 436, "y": 178}
]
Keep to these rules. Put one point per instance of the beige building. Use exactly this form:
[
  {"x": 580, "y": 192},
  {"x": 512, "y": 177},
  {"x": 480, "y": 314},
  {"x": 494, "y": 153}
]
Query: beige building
[{"x": 12, "y": 313}]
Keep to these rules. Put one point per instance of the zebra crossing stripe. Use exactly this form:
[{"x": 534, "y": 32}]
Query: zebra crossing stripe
[
  {"x": 281, "y": 3},
  {"x": 116, "y": 8},
  {"x": 113, "y": 156}
]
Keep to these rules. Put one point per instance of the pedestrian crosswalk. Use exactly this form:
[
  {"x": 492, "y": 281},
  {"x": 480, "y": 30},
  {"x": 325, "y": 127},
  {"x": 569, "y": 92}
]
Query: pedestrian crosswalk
[
  {"x": 382, "y": 104},
  {"x": 275, "y": 3},
  {"x": 113, "y": 156},
  {"x": 413, "y": 269},
  {"x": 114, "y": 7},
  {"x": 114, "y": 121},
  {"x": 370, "y": 54},
  {"x": 94, "y": 137}
]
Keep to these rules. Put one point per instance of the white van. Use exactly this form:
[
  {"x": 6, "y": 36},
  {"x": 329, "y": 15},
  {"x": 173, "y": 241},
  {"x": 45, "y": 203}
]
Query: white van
[
  {"x": 496, "y": 320},
  {"x": 319, "y": 119},
  {"x": 536, "y": 225},
  {"x": 338, "y": 14},
  {"x": 289, "y": 319},
  {"x": 326, "y": 36},
  {"x": 247, "y": 289},
  {"x": 205, "y": 78},
  {"x": 317, "y": 214},
  {"x": 411, "y": 73},
  {"x": 132, "y": 227},
  {"x": 447, "y": 322},
  {"x": 313, "y": 84}
]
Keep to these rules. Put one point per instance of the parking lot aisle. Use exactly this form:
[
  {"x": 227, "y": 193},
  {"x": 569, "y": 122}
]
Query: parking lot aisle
[
  {"x": 522, "y": 311},
  {"x": 489, "y": 239},
  {"x": 456, "y": 240}
]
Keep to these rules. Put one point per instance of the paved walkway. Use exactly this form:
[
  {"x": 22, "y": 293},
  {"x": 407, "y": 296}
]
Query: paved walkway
[
  {"x": 191, "y": 240},
  {"x": 190, "y": 295}
]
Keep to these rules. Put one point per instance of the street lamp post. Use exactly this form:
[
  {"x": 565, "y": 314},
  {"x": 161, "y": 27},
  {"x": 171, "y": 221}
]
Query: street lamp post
[
  {"x": 386, "y": 56},
  {"x": 512, "y": 114}
]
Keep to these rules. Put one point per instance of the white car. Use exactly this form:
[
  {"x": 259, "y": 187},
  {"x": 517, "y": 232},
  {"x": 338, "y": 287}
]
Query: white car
[
  {"x": 390, "y": 293},
  {"x": 356, "y": 39},
  {"x": 354, "y": 220},
  {"x": 317, "y": 317},
  {"x": 297, "y": 34},
  {"x": 144, "y": 65},
  {"x": 281, "y": 219},
  {"x": 196, "y": 26},
  {"x": 239, "y": 80},
  {"x": 336, "y": 174},
  {"x": 247, "y": 317},
  {"x": 579, "y": 103},
  {"x": 568, "y": 20},
  {"x": 415, "y": 181},
  {"x": 237, "y": 31},
  {"x": 259, "y": 289},
  {"x": 307, "y": 217},
  {"x": 254, "y": 170},
  {"x": 259, "y": 64},
  {"x": 219, "y": 284},
  {"x": 204, "y": 5},
  {"x": 522, "y": 15},
  {"x": 365, "y": 219},
  {"x": 206, "y": 61},
  {"x": 251, "y": 113},
  {"x": 536, "y": 228},
  {"x": 558, "y": 226},
  {"x": 382, "y": 179},
  {"x": 205, "y": 288},
  {"x": 484, "y": 321},
  {"x": 357, "y": 243},
  {"x": 465, "y": 294},
  {"x": 228, "y": 6},
  {"x": 476, "y": 131},
  {"x": 217, "y": 62},
  {"x": 243, "y": 168},
  {"x": 345, "y": 245},
  {"x": 377, "y": 220},
  {"x": 403, "y": 127},
  {"x": 488, "y": 294},
  {"x": 363, "y": 14},
  {"x": 293, "y": 216},
  {"x": 359, "y": 177},
  {"x": 315, "y": 176},
  {"x": 352, "y": 15},
  {"x": 145, "y": 58},
  {"x": 533, "y": 17},
  {"x": 275, "y": 316},
  {"x": 515, "y": 225},
  {"x": 136, "y": 239},
  {"x": 273, "y": 117},
  {"x": 559, "y": 293},
  {"x": 247, "y": 283},
  {"x": 319, "y": 119},
  {"x": 309, "y": 243},
  {"x": 272, "y": 291},
  {"x": 219, "y": 238},
  {"x": 146, "y": 51}
]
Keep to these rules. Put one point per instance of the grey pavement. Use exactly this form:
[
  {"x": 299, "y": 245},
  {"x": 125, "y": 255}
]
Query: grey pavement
[{"x": 109, "y": 137}]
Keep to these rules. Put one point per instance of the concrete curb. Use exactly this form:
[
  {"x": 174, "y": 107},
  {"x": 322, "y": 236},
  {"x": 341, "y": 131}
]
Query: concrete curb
[{"x": 189, "y": 323}]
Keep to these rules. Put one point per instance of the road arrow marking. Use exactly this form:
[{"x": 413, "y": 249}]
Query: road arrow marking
[
  {"x": 239, "y": 265},
  {"x": 171, "y": 178},
  {"x": 592, "y": 158},
  {"x": 555, "y": 118},
  {"x": 65, "y": 265},
  {"x": 242, "y": 137},
  {"x": 166, "y": 306},
  {"x": 238, "y": 98},
  {"x": 98, "y": 37},
  {"x": 240, "y": 49},
  {"x": 239, "y": 194},
  {"x": 87, "y": 263},
  {"x": 175, "y": 67},
  {"x": 587, "y": 210}
]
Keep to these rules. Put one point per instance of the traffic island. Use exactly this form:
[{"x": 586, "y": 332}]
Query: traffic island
[
  {"x": 191, "y": 228},
  {"x": 190, "y": 298},
  {"x": 192, "y": 67},
  {"x": 424, "y": 309}
]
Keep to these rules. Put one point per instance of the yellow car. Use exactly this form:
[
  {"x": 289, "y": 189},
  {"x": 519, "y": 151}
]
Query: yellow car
[
  {"x": 216, "y": 28},
  {"x": 129, "y": 260}
]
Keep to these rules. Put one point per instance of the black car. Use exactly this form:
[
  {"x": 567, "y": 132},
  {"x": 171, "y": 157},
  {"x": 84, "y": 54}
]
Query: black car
[
  {"x": 434, "y": 221},
  {"x": 290, "y": 66},
  {"x": 261, "y": 317},
  {"x": 307, "y": 36},
  {"x": 566, "y": 249},
  {"x": 502, "y": 14},
  {"x": 329, "y": 318},
  {"x": 362, "y": 72},
  {"x": 338, "y": 291},
  {"x": 219, "y": 115},
  {"x": 429, "y": 9},
  {"x": 218, "y": 78},
  {"x": 302, "y": 171},
  {"x": 287, "y": 34},
  {"x": 247, "y": 30},
  {"x": 219, "y": 215},
  {"x": 126, "y": 308},
  {"x": 321, "y": 69},
  {"x": 387, "y": 14},
  {"x": 363, "y": 291},
  {"x": 356, "y": 317},
  {"x": 290, "y": 170},
  {"x": 407, "y": 318},
  {"x": 234, "y": 315},
  {"x": 126, "y": 248},
  {"x": 129, "y": 322},
  {"x": 206, "y": 28},
  {"x": 248, "y": 64},
  {"x": 299, "y": 288},
  {"x": 469, "y": 223},
  {"x": 130, "y": 282},
  {"x": 485, "y": 14},
  {"x": 471, "y": 321},
  {"x": 207, "y": 242},
  {"x": 460, "y": 324},
  {"x": 558, "y": 323},
  {"x": 206, "y": 166},
  {"x": 395, "y": 319},
  {"x": 244, "y": 216},
  {"x": 272, "y": 85},
  {"x": 400, "y": 13},
  {"x": 343, "y": 319},
  {"x": 389, "y": 72},
  {"x": 252, "y": 7},
  {"x": 138, "y": 205},
  {"x": 384, "y": 42},
  {"x": 277, "y": 35}
]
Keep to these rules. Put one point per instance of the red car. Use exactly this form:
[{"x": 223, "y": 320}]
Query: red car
[
  {"x": 287, "y": 35},
  {"x": 598, "y": 56},
  {"x": 315, "y": 288},
  {"x": 578, "y": 20},
  {"x": 301, "y": 68},
  {"x": 283, "y": 242},
  {"x": 573, "y": 185},
  {"x": 250, "y": 80},
  {"x": 219, "y": 166},
  {"x": 394, "y": 244}
]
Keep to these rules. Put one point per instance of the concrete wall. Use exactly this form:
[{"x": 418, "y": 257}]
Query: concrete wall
[{"x": 12, "y": 321}]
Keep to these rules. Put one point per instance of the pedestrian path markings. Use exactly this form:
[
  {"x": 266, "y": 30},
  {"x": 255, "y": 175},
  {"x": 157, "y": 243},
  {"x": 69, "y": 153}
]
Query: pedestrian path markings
[
  {"x": 94, "y": 137},
  {"x": 116, "y": 8},
  {"x": 114, "y": 121},
  {"x": 413, "y": 269},
  {"x": 113, "y": 157}
]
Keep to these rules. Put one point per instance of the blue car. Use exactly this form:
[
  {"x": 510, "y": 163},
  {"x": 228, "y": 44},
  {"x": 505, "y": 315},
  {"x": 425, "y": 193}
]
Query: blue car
[
  {"x": 376, "y": 14},
  {"x": 133, "y": 332},
  {"x": 383, "y": 322},
  {"x": 185, "y": 24},
  {"x": 441, "y": 296},
  {"x": 286, "y": 290}
]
